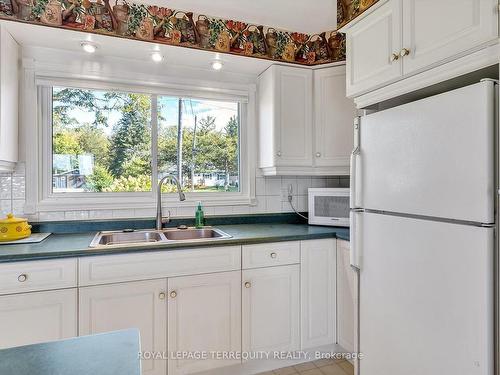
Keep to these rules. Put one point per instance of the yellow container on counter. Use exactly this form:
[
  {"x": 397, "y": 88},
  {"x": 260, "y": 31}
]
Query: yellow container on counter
[{"x": 14, "y": 228}]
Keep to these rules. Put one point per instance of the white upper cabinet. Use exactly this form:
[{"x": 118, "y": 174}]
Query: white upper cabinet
[
  {"x": 294, "y": 139},
  {"x": 285, "y": 114},
  {"x": 400, "y": 38},
  {"x": 373, "y": 48},
  {"x": 9, "y": 98},
  {"x": 437, "y": 30},
  {"x": 204, "y": 314},
  {"x": 333, "y": 120}
]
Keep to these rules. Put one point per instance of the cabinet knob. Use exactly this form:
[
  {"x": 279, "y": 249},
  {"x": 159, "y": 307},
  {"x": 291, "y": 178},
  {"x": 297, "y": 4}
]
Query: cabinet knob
[
  {"x": 248, "y": 284},
  {"x": 404, "y": 52},
  {"x": 22, "y": 278},
  {"x": 318, "y": 154},
  {"x": 278, "y": 153},
  {"x": 162, "y": 295},
  {"x": 173, "y": 294},
  {"x": 274, "y": 255},
  {"x": 394, "y": 57}
]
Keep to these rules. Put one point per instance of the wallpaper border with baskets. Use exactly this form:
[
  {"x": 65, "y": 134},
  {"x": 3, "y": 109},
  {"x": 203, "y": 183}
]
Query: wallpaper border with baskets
[{"x": 162, "y": 25}]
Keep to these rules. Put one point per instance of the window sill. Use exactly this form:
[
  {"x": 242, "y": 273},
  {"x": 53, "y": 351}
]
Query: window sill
[{"x": 118, "y": 203}]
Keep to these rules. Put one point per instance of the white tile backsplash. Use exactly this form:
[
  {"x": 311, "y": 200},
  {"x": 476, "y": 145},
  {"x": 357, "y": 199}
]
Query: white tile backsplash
[
  {"x": 273, "y": 186},
  {"x": 18, "y": 187},
  {"x": 76, "y": 215},
  {"x": 303, "y": 183},
  {"x": 271, "y": 197},
  {"x": 5, "y": 187},
  {"x": 260, "y": 186}
]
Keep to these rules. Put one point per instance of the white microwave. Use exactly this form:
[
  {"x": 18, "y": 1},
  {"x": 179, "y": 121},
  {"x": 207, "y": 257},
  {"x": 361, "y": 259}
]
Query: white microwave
[{"x": 329, "y": 206}]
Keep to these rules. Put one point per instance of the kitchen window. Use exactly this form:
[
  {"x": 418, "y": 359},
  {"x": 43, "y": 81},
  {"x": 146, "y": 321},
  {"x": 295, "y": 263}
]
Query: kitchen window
[
  {"x": 102, "y": 142},
  {"x": 107, "y": 147}
]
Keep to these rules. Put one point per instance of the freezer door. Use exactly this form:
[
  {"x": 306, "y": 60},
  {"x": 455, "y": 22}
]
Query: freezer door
[
  {"x": 433, "y": 157},
  {"x": 425, "y": 297}
]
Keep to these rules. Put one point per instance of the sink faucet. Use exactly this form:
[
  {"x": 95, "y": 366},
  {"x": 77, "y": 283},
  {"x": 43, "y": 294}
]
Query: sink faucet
[{"x": 159, "y": 216}]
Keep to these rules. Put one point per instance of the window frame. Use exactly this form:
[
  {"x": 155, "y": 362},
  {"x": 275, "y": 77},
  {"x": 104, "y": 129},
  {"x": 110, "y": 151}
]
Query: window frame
[{"x": 64, "y": 201}]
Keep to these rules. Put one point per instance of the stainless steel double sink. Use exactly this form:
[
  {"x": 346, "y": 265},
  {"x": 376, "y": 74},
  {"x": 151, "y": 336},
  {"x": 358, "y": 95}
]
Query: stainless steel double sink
[{"x": 139, "y": 237}]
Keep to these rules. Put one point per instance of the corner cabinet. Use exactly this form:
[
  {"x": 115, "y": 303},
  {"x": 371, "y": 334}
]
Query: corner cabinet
[
  {"x": 305, "y": 121},
  {"x": 318, "y": 273},
  {"x": 399, "y": 38},
  {"x": 9, "y": 98},
  {"x": 285, "y": 117}
]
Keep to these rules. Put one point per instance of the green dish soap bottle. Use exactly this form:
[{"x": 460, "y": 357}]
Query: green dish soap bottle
[{"x": 199, "y": 217}]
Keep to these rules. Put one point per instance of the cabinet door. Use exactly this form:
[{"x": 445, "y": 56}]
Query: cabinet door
[
  {"x": 140, "y": 305},
  {"x": 334, "y": 116},
  {"x": 436, "y": 30},
  {"x": 346, "y": 294},
  {"x": 293, "y": 135},
  {"x": 9, "y": 82},
  {"x": 31, "y": 318},
  {"x": 271, "y": 309},
  {"x": 318, "y": 273},
  {"x": 204, "y": 315},
  {"x": 370, "y": 46}
]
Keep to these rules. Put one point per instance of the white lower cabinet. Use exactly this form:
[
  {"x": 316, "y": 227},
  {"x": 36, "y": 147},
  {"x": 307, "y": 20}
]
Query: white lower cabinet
[
  {"x": 318, "y": 292},
  {"x": 284, "y": 299},
  {"x": 271, "y": 309},
  {"x": 204, "y": 315},
  {"x": 140, "y": 305},
  {"x": 30, "y": 318},
  {"x": 346, "y": 294}
]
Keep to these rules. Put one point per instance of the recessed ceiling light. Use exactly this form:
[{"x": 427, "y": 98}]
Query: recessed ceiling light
[
  {"x": 157, "y": 57},
  {"x": 217, "y": 64},
  {"x": 89, "y": 47}
]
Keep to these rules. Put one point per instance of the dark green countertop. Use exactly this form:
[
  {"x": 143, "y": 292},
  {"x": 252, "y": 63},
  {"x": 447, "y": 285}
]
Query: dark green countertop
[
  {"x": 76, "y": 245},
  {"x": 103, "y": 354}
]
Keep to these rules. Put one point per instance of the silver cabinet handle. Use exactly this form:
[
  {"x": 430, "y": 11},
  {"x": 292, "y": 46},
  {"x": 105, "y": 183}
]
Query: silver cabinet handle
[
  {"x": 278, "y": 153},
  {"x": 22, "y": 278},
  {"x": 274, "y": 255},
  {"x": 318, "y": 154},
  {"x": 404, "y": 52},
  {"x": 248, "y": 284},
  {"x": 394, "y": 57},
  {"x": 162, "y": 295},
  {"x": 173, "y": 294}
]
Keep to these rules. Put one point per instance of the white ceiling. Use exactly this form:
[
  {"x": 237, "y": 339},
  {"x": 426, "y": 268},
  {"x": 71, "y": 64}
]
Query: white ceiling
[
  {"x": 311, "y": 16},
  {"x": 175, "y": 58}
]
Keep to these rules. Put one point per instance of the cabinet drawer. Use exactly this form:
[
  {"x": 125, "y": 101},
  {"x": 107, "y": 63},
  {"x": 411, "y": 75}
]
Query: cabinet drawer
[
  {"x": 31, "y": 276},
  {"x": 270, "y": 254},
  {"x": 152, "y": 265}
]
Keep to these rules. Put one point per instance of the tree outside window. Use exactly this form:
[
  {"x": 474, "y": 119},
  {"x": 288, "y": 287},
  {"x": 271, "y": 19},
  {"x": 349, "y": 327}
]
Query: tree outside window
[{"x": 102, "y": 142}]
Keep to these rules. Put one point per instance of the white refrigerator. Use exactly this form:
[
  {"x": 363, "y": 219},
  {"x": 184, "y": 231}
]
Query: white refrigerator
[{"x": 423, "y": 198}]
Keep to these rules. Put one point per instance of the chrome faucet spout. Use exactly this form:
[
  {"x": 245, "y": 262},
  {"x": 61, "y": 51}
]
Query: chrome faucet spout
[{"x": 159, "y": 214}]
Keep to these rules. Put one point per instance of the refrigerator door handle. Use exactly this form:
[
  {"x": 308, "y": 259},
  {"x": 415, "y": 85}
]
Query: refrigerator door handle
[
  {"x": 353, "y": 169},
  {"x": 353, "y": 240}
]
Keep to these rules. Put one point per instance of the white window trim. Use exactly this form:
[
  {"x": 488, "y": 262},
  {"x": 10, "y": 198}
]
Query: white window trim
[{"x": 38, "y": 162}]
